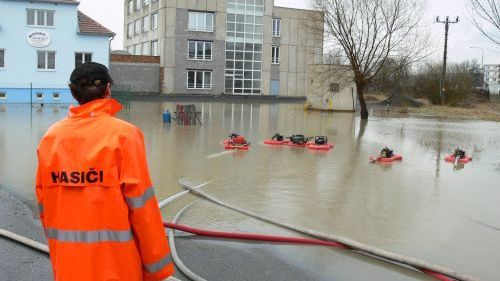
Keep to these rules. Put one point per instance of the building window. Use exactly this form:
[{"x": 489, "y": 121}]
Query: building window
[
  {"x": 334, "y": 87},
  {"x": 154, "y": 48},
  {"x": 275, "y": 55},
  {"x": 154, "y": 21},
  {"x": 2, "y": 58},
  {"x": 199, "y": 79},
  {"x": 137, "y": 5},
  {"x": 199, "y": 50},
  {"x": 39, "y": 95},
  {"x": 40, "y": 17},
  {"x": 244, "y": 40},
  {"x": 145, "y": 24},
  {"x": 276, "y": 27},
  {"x": 3, "y": 95},
  {"x": 130, "y": 30},
  {"x": 130, "y": 7},
  {"x": 130, "y": 50},
  {"x": 199, "y": 21},
  {"x": 56, "y": 95},
  {"x": 137, "y": 49},
  {"x": 46, "y": 60},
  {"x": 137, "y": 25},
  {"x": 145, "y": 48},
  {"x": 81, "y": 58},
  {"x": 145, "y": 3}
]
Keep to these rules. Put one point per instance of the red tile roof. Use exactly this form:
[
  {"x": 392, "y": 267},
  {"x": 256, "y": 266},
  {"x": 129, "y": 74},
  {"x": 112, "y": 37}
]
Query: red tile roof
[{"x": 87, "y": 25}]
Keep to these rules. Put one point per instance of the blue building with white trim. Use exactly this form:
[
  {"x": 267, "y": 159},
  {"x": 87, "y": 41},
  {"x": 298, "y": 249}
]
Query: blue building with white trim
[{"x": 41, "y": 42}]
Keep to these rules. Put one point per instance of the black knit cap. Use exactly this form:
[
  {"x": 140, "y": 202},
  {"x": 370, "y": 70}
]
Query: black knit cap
[{"x": 90, "y": 74}]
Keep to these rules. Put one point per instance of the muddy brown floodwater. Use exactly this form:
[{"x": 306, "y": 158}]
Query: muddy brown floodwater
[{"x": 421, "y": 207}]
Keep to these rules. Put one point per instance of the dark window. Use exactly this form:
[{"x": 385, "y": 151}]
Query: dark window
[
  {"x": 334, "y": 87},
  {"x": 46, "y": 60},
  {"x": 31, "y": 17},
  {"x": 2, "y": 58}
]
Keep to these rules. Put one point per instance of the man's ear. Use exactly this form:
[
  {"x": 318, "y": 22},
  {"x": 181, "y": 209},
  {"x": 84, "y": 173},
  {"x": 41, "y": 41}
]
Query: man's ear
[{"x": 108, "y": 91}]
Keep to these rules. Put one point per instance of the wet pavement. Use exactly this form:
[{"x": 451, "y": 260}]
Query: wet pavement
[
  {"x": 19, "y": 262},
  {"x": 421, "y": 207}
]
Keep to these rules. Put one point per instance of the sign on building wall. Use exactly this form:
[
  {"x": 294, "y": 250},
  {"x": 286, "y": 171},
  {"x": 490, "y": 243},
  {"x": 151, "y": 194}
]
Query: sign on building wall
[{"x": 38, "y": 38}]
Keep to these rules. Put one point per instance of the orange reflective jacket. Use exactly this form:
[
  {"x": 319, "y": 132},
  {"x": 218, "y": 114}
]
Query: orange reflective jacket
[{"x": 96, "y": 200}]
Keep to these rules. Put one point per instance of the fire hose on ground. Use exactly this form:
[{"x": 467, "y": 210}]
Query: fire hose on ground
[{"x": 438, "y": 272}]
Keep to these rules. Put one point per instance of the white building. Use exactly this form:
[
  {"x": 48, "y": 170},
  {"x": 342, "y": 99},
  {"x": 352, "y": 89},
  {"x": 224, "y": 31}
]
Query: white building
[{"x": 492, "y": 78}]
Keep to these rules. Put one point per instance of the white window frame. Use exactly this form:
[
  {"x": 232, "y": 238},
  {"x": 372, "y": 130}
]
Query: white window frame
[
  {"x": 154, "y": 48},
  {"x": 137, "y": 27},
  {"x": 275, "y": 54},
  {"x": 204, "y": 57},
  {"x": 2, "y": 52},
  {"x": 154, "y": 21},
  {"x": 41, "y": 97},
  {"x": 54, "y": 97},
  {"x": 83, "y": 57},
  {"x": 138, "y": 4},
  {"x": 145, "y": 48},
  {"x": 45, "y": 17},
  {"x": 276, "y": 27},
  {"x": 3, "y": 95},
  {"x": 202, "y": 27},
  {"x": 145, "y": 24},
  {"x": 204, "y": 86},
  {"x": 46, "y": 62}
]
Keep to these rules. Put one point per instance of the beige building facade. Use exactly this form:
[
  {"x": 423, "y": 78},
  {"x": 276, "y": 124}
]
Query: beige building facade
[{"x": 240, "y": 47}]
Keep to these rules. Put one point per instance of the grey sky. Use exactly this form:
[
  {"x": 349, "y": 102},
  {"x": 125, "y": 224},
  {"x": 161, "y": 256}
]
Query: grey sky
[{"x": 462, "y": 35}]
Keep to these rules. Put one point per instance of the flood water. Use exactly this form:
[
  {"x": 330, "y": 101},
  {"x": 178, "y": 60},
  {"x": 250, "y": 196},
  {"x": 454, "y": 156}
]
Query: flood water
[{"x": 421, "y": 207}]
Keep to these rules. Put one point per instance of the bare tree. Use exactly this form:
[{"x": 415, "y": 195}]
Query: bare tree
[
  {"x": 372, "y": 31},
  {"x": 485, "y": 15}
]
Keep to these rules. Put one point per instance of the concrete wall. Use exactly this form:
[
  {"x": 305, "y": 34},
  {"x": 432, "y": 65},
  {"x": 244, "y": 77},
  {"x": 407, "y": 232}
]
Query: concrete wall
[
  {"x": 301, "y": 44},
  {"x": 182, "y": 63},
  {"x": 319, "y": 95},
  {"x": 21, "y": 58},
  {"x": 142, "y": 73}
]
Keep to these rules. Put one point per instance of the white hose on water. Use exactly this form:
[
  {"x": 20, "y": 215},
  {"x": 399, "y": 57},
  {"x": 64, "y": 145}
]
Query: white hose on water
[{"x": 359, "y": 247}]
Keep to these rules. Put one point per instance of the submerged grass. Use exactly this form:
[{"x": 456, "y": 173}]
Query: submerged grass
[{"x": 478, "y": 111}]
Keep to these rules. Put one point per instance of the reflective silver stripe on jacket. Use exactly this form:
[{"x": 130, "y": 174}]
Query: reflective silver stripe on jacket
[
  {"x": 159, "y": 265},
  {"x": 140, "y": 201},
  {"x": 91, "y": 236},
  {"x": 40, "y": 208}
]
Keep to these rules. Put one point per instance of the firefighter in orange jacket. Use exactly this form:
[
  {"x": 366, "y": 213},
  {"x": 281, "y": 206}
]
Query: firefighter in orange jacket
[{"x": 95, "y": 196}]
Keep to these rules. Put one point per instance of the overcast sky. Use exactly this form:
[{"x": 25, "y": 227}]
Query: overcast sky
[{"x": 462, "y": 35}]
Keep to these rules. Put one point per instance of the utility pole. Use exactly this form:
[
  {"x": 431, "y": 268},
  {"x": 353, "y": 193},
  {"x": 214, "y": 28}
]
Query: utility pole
[{"x": 446, "y": 22}]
